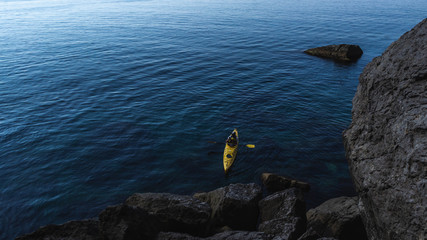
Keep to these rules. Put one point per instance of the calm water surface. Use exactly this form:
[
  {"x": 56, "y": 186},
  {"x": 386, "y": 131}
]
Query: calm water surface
[{"x": 101, "y": 99}]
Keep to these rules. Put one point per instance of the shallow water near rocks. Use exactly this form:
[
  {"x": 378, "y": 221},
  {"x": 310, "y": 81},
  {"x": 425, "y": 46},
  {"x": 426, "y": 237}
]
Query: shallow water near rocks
[{"x": 101, "y": 99}]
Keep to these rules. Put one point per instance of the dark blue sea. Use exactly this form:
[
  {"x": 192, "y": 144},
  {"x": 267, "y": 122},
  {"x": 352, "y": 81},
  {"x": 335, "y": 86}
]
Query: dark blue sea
[{"x": 101, "y": 99}]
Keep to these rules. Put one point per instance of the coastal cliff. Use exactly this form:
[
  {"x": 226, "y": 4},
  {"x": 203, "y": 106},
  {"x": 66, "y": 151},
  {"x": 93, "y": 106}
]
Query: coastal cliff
[{"x": 386, "y": 143}]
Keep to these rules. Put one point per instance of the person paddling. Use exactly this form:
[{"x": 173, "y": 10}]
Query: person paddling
[{"x": 232, "y": 140}]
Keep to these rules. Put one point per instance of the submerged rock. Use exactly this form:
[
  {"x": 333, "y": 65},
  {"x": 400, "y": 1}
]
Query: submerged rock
[
  {"x": 341, "y": 52},
  {"x": 235, "y": 205},
  {"x": 386, "y": 143},
  {"x": 275, "y": 183},
  {"x": 73, "y": 230},
  {"x": 339, "y": 218}
]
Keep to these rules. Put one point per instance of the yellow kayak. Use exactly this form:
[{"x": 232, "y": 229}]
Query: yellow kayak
[{"x": 230, "y": 150}]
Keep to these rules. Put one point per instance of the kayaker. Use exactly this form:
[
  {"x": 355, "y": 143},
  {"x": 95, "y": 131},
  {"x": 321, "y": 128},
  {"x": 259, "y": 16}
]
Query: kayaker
[{"x": 232, "y": 140}]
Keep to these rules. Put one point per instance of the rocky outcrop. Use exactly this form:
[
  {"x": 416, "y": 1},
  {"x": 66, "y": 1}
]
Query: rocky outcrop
[
  {"x": 341, "y": 52},
  {"x": 386, "y": 143},
  {"x": 73, "y": 230},
  {"x": 235, "y": 206},
  {"x": 338, "y": 218},
  {"x": 282, "y": 214},
  {"x": 275, "y": 183}
]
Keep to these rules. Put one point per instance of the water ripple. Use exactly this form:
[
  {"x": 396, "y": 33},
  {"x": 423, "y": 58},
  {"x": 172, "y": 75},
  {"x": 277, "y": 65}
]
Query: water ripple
[{"x": 103, "y": 99}]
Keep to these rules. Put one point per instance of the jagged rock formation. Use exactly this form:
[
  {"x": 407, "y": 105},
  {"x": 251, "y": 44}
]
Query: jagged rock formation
[
  {"x": 341, "y": 52},
  {"x": 386, "y": 143}
]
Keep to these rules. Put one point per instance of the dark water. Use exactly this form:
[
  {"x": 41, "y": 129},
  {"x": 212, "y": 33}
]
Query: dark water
[{"x": 101, "y": 99}]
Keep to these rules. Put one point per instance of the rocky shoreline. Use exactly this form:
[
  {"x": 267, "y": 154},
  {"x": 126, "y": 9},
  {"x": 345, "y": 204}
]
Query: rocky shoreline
[{"x": 237, "y": 211}]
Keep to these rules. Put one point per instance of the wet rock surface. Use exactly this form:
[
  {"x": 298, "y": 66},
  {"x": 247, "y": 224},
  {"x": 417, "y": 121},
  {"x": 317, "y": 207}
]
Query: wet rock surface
[{"x": 386, "y": 141}]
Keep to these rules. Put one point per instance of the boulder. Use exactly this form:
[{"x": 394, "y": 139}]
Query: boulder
[
  {"x": 73, "y": 230},
  {"x": 341, "y": 52},
  {"x": 339, "y": 218},
  {"x": 386, "y": 141},
  {"x": 176, "y": 213},
  {"x": 282, "y": 214},
  {"x": 275, "y": 183},
  {"x": 124, "y": 222},
  {"x": 235, "y": 205}
]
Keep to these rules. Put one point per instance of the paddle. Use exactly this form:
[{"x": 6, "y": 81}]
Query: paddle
[{"x": 247, "y": 145}]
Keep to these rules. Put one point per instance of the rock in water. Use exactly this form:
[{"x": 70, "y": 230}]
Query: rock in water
[
  {"x": 386, "y": 143},
  {"x": 341, "y": 52}
]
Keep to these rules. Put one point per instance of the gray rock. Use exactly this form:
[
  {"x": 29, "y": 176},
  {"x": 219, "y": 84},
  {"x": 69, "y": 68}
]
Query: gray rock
[
  {"x": 339, "y": 218},
  {"x": 240, "y": 235},
  {"x": 289, "y": 228},
  {"x": 73, "y": 230},
  {"x": 275, "y": 183},
  {"x": 228, "y": 235},
  {"x": 310, "y": 234},
  {"x": 235, "y": 205},
  {"x": 124, "y": 222},
  {"x": 176, "y": 236},
  {"x": 287, "y": 203},
  {"x": 283, "y": 214},
  {"x": 177, "y": 213},
  {"x": 386, "y": 143},
  {"x": 341, "y": 52}
]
